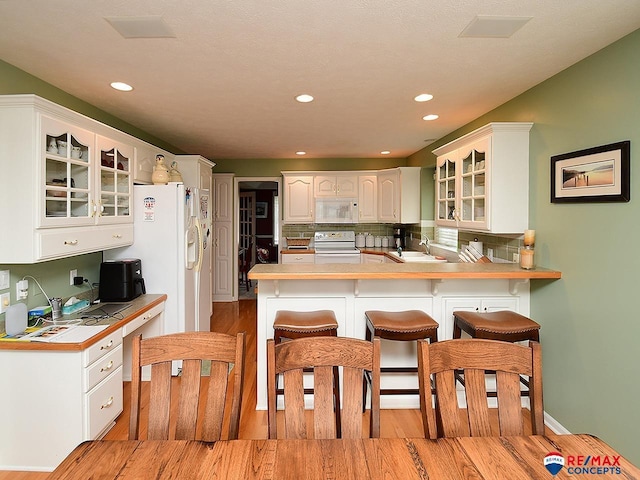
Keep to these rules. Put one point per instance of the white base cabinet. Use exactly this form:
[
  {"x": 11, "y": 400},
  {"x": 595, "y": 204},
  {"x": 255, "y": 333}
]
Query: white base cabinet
[
  {"x": 54, "y": 400},
  {"x": 57, "y": 399}
]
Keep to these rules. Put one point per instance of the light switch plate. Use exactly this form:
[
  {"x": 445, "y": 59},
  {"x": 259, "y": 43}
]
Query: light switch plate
[
  {"x": 4, "y": 279},
  {"x": 5, "y": 300}
]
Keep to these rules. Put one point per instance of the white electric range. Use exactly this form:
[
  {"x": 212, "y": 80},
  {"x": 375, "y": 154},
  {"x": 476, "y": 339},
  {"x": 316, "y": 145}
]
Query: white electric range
[{"x": 336, "y": 247}]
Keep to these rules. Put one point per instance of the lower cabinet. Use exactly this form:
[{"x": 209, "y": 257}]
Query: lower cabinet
[
  {"x": 54, "y": 400},
  {"x": 372, "y": 258},
  {"x": 59, "y": 398},
  {"x": 297, "y": 258}
]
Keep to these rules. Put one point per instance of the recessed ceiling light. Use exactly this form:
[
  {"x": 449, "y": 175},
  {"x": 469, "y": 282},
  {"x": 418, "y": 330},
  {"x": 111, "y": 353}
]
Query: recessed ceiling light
[
  {"x": 494, "y": 26},
  {"x": 431, "y": 116},
  {"x": 385, "y": 152},
  {"x": 123, "y": 87},
  {"x": 301, "y": 153},
  {"x": 304, "y": 98},
  {"x": 423, "y": 97}
]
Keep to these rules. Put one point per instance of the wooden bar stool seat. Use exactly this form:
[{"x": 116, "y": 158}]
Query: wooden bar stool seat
[
  {"x": 503, "y": 325},
  {"x": 289, "y": 325},
  {"x": 404, "y": 326}
]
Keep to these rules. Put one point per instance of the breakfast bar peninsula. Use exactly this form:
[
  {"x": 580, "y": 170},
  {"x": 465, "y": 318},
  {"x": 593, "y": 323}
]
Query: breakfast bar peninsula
[{"x": 351, "y": 289}]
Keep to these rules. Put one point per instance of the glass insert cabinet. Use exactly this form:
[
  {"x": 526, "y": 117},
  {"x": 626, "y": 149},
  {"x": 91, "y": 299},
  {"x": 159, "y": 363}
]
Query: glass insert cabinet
[
  {"x": 482, "y": 179},
  {"x": 87, "y": 177}
]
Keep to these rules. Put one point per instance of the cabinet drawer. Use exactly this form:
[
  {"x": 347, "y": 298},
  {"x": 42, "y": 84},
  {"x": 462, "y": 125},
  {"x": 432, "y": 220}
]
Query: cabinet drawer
[
  {"x": 102, "y": 368},
  {"x": 65, "y": 242},
  {"x": 102, "y": 347},
  {"x": 298, "y": 258},
  {"x": 142, "y": 319},
  {"x": 103, "y": 404}
]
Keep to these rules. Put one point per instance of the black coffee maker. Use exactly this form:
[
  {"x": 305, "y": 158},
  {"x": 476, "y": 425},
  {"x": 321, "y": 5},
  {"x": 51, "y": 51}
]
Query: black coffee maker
[{"x": 399, "y": 234}]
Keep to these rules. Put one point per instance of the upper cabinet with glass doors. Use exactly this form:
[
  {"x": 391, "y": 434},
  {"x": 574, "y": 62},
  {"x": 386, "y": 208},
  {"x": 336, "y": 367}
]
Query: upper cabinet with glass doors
[
  {"x": 482, "y": 179},
  {"x": 66, "y": 183}
]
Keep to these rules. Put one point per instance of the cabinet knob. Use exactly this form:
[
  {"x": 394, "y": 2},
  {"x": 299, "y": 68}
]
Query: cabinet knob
[
  {"x": 107, "y": 404},
  {"x": 71, "y": 242},
  {"x": 108, "y": 345},
  {"x": 117, "y": 235}
]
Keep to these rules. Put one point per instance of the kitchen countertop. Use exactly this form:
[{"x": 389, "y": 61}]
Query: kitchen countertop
[
  {"x": 287, "y": 251},
  {"x": 398, "y": 271},
  {"x": 138, "y": 306}
]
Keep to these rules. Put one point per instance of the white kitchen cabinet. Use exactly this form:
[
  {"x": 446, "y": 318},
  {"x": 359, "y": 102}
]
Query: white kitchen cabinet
[
  {"x": 298, "y": 198},
  {"x": 145, "y": 160},
  {"x": 482, "y": 179},
  {"x": 63, "y": 171},
  {"x": 372, "y": 258},
  {"x": 223, "y": 197},
  {"x": 399, "y": 195},
  {"x": 222, "y": 242},
  {"x": 336, "y": 185},
  {"x": 59, "y": 398},
  {"x": 297, "y": 258},
  {"x": 368, "y": 198}
]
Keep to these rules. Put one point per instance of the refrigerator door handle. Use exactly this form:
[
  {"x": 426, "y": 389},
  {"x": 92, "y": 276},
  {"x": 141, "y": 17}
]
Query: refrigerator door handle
[{"x": 200, "y": 237}]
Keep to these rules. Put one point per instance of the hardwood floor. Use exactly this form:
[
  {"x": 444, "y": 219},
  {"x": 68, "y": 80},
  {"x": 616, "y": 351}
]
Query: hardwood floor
[{"x": 232, "y": 318}]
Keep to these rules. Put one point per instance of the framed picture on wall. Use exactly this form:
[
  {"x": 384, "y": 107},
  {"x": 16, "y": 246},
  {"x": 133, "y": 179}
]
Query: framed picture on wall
[
  {"x": 261, "y": 209},
  {"x": 598, "y": 174}
]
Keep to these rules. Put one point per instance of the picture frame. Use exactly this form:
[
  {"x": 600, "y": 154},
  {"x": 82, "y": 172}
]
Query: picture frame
[
  {"x": 594, "y": 175},
  {"x": 262, "y": 209}
]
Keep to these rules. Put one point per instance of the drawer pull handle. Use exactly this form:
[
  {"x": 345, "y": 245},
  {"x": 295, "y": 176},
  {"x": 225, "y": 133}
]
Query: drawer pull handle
[
  {"x": 108, "y": 404},
  {"x": 117, "y": 235},
  {"x": 108, "y": 345},
  {"x": 71, "y": 242},
  {"x": 108, "y": 367}
]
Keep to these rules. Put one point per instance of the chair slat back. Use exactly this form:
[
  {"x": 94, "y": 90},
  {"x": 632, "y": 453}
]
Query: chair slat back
[
  {"x": 474, "y": 357},
  {"x": 322, "y": 354},
  {"x": 224, "y": 351}
]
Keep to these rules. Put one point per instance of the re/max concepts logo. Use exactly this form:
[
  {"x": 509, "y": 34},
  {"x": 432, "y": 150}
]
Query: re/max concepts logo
[{"x": 583, "y": 464}]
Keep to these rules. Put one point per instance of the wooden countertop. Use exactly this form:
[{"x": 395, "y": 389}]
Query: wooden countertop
[
  {"x": 138, "y": 306},
  {"x": 384, "y": 271}
]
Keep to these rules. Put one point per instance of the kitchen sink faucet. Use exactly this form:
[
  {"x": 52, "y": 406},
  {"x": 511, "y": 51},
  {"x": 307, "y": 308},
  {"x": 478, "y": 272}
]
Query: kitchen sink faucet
[{"x": 425, "y": 241}]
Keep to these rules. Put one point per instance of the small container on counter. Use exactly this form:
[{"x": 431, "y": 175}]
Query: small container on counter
[
  {"x": 527, "y": 260},
  {"x": 377, "y": 241},
  {"x": 385, "y": 242},
  {"x": 370, "y": 241}
]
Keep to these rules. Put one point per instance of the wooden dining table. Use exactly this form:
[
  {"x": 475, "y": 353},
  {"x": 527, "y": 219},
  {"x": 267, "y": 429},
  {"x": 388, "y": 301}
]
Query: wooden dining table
[{"x": 494, "y": 458}]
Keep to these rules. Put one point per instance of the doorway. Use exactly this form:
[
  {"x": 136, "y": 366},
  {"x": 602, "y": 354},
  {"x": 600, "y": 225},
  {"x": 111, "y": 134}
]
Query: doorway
[{"x": 258, "y": 227}]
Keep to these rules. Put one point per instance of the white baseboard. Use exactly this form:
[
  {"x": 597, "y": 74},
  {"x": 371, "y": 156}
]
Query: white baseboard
[{"x": 554, "y": 425}]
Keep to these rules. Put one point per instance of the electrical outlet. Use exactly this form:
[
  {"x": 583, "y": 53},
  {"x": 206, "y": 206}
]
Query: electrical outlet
[
  {"x": 5, "y": 301},
  {"x": 72, "y": 274},
  {"x": 4, "y": 279},
  {"x": 22, "y": 289},
  {"x": 516, "y": 258}
]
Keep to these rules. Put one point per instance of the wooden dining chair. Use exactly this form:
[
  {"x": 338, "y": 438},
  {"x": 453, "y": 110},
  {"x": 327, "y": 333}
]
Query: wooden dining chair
[
  {"x": 322, "y": 354},
  {"x": 226, "y": 353},
  {"x": 474, "y": 357}
]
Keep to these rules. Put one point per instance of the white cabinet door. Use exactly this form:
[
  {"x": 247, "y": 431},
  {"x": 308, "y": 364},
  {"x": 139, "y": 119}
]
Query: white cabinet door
[
  {"x": 298, "y": 258},
  {"x": 298, "y": 199},
  {"x": 223, "y": 197},
  {"x": 222, "y": 262},
  {"x": 335, "y": 185},
  {"x": 368, "y": 198},
  {"x": 114, "y": 163},
  {"x": 388, "y": 196}
]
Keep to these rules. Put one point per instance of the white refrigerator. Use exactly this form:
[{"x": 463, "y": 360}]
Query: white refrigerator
[{"x": 171, "y": 236}]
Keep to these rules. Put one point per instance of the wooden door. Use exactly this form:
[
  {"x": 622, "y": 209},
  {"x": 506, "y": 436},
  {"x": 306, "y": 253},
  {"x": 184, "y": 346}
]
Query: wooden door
[{"x": 248, "y": 224}]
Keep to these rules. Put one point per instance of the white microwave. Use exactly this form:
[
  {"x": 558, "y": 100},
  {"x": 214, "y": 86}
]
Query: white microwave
[{"x": 336, "y": 210}]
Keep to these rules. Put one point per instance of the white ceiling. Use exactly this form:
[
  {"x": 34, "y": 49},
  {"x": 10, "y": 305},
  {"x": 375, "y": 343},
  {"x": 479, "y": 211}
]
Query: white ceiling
[{"x": 224, "y": 87}]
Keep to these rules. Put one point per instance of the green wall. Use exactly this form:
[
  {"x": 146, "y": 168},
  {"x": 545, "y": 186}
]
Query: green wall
[{"x": 589, "y": 328}]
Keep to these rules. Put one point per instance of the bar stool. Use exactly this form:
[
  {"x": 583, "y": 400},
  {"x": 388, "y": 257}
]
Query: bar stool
[
  {"x": 290, "y": 325},
  {"x": 503, "y": 325},
  {"x": 404, "y": 326}
]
